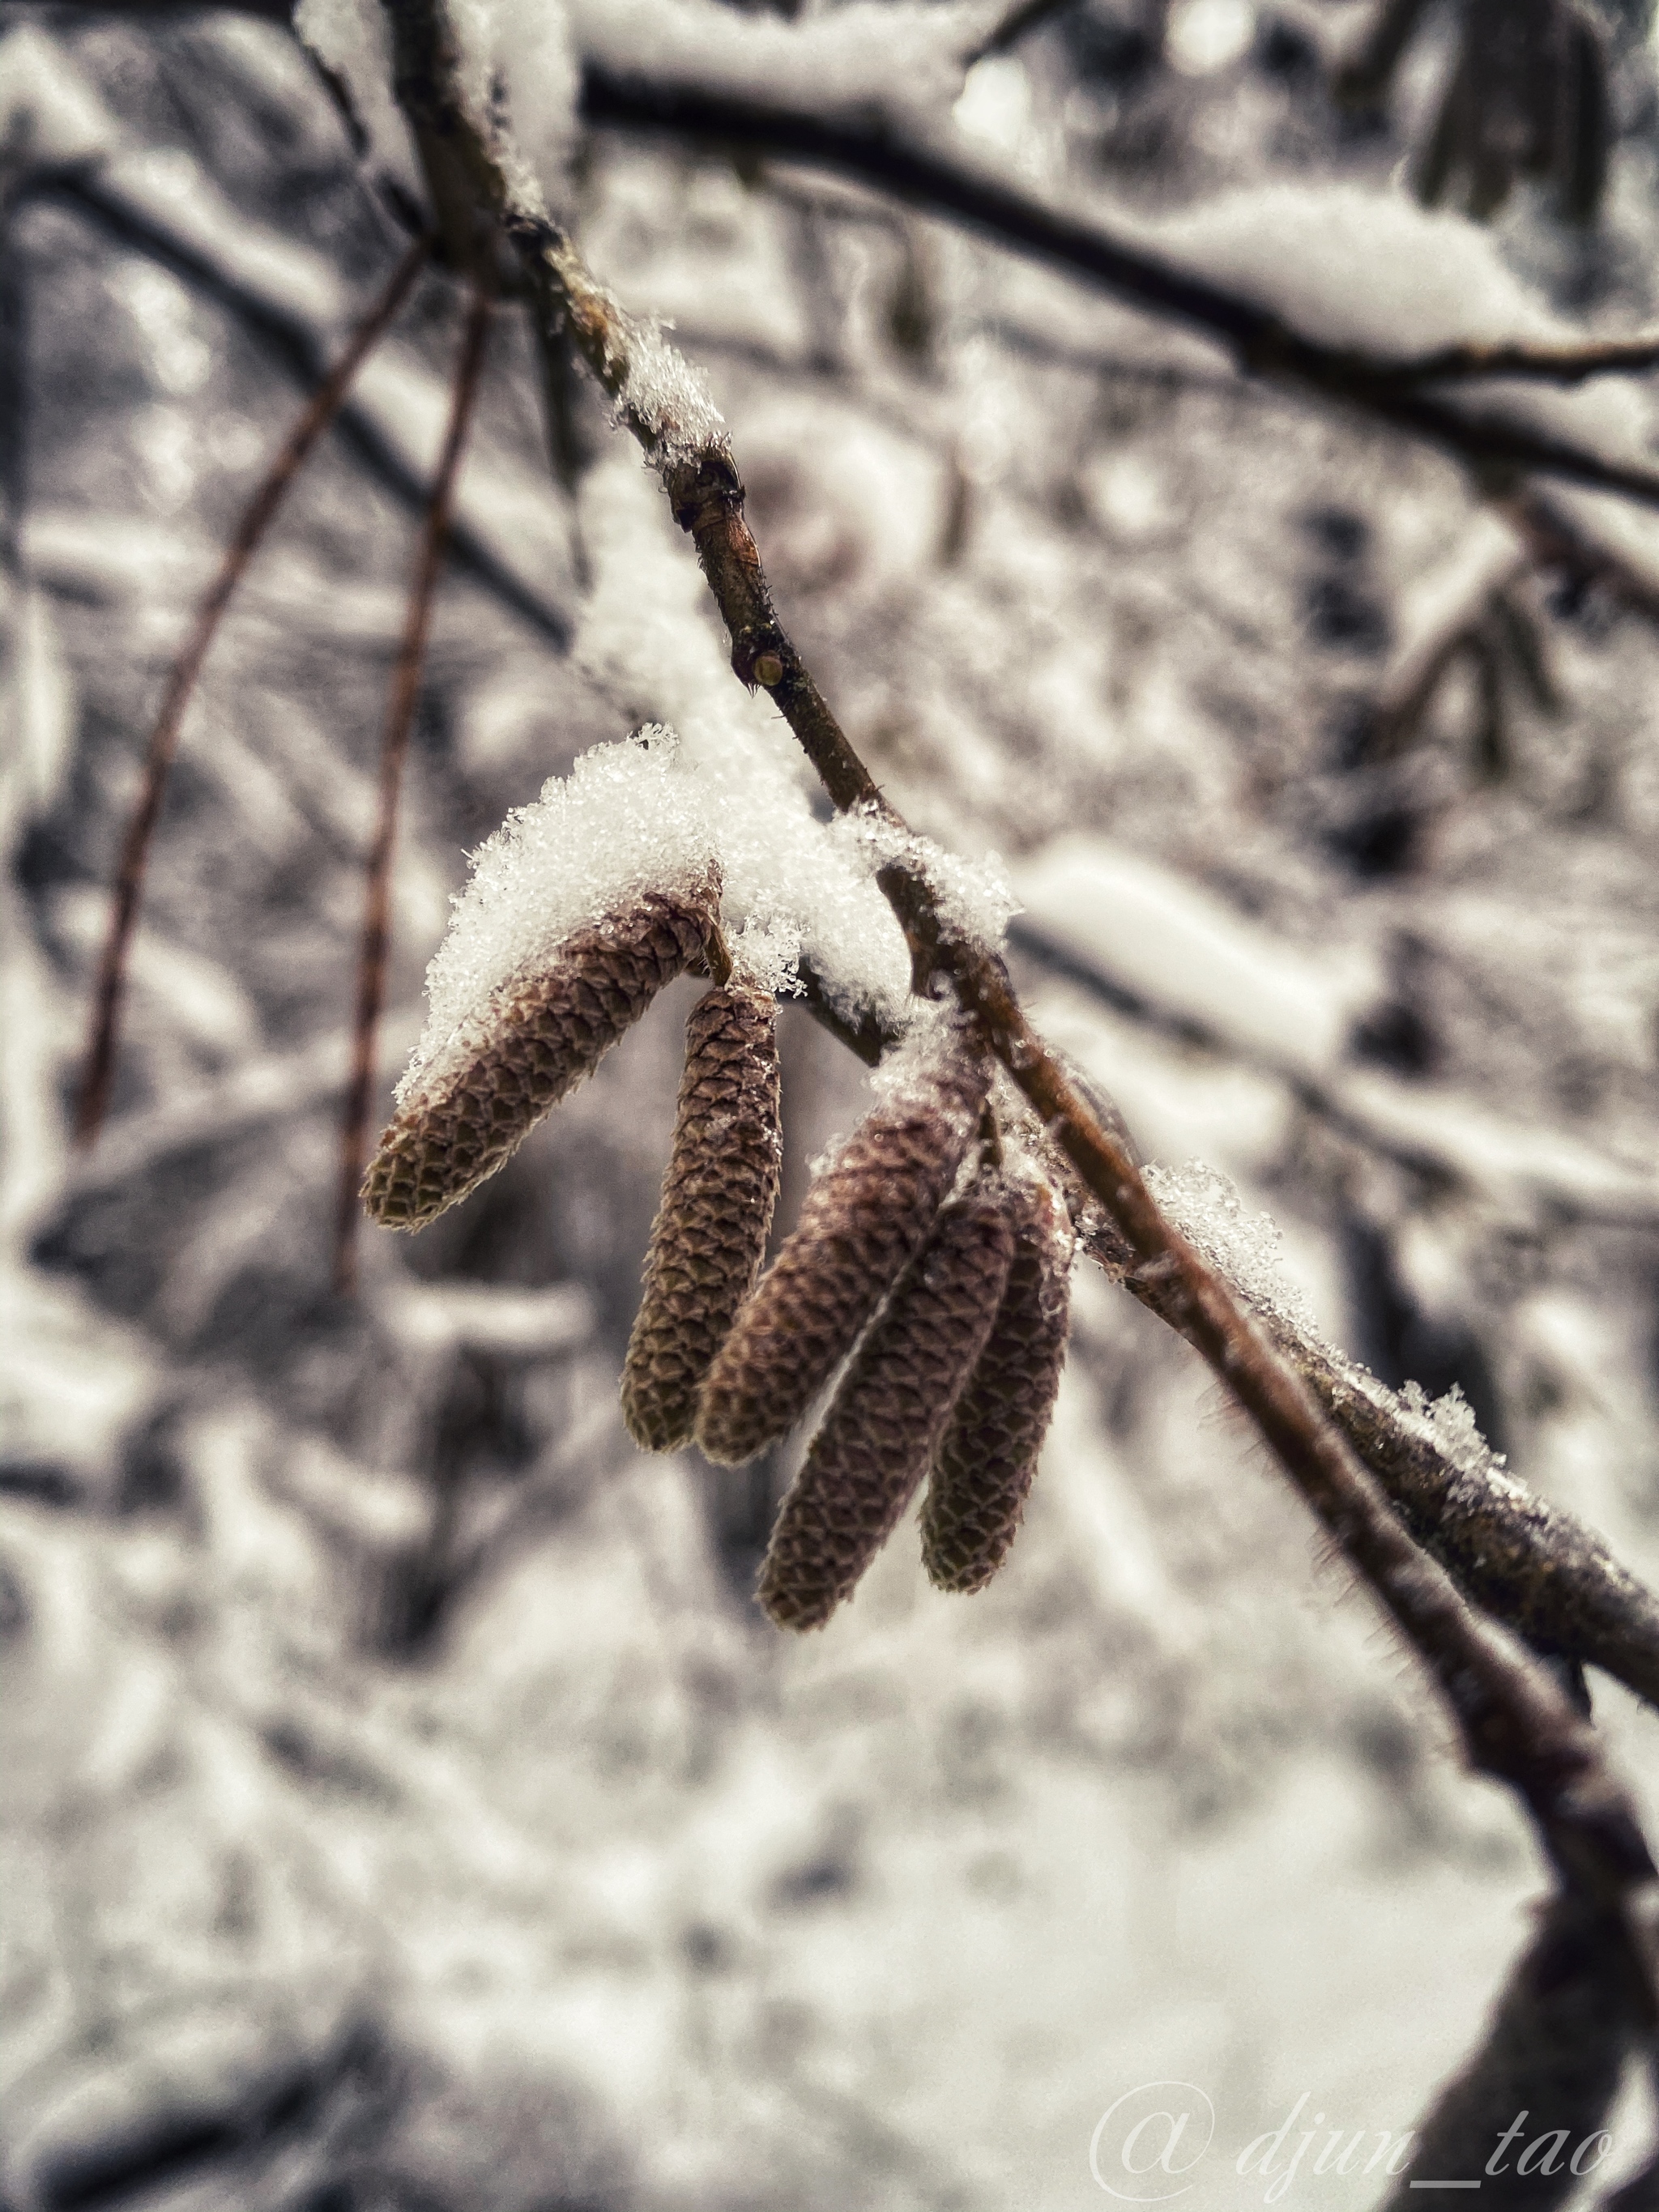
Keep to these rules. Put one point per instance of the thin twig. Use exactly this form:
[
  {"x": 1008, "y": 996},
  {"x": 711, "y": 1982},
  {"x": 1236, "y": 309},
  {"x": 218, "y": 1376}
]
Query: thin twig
[
  {"x": 260, "y": 513},
  {"x": 1515, "y": 1722},
  {"x": 1551, "y": 2057},
  {"x": 1262, "y": 343},
  {"x": 1573, "y": 362},
  {"x": 1531, "y": 1564},
  {"x": 394, "y": 748},
  {"x": 1569, "y": 541},
  {"x": 373, "y": 426}
]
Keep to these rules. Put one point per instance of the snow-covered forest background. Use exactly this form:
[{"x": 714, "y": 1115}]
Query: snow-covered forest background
[{"x": 405, "y": 1806}]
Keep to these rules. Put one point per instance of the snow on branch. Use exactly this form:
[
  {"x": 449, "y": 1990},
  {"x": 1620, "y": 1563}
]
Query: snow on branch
[
  {"x": 1526, "y": 1562},
  {"x": 1268, "y": 274},
  {"x": 1516, "y": 1723}
]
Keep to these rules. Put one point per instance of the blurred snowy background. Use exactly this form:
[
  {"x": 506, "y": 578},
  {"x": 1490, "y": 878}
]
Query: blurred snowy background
[{"x": 404, "y": 1805}]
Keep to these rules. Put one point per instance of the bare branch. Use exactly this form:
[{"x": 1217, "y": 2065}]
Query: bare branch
[
  {"x": 257, "y": 518},
  {"x": 1529, "y": 1564},
  {"x": 394, "y": 747},
  {"x": 373, "y": 425},
  {"x": 1568, "y": 2017}
]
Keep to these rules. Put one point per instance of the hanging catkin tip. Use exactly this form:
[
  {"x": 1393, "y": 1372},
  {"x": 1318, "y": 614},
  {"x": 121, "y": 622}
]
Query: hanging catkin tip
[{"x": 535, "y": 1039}]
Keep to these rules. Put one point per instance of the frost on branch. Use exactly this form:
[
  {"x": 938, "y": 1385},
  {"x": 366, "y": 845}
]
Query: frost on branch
[
  {"x": 668, "y": 398},
  {"x": 1247, "y": 1249}
]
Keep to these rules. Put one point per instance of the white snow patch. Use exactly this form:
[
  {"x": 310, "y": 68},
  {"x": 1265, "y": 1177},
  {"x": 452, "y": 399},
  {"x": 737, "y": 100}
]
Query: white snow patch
[
  {"x": 973, "y": 895},
  {"x": 351, "y": 39},
  {"x": 48, "y": 110},
  {"x": 1191, "y": 955},
  {"x": 1247, "y": 1248},
  {"x": 902, "y": 57},
  {"x": 625, "y": 820},
  {"x": 1207, "y": 35},
  {"x": 996, "y": 105},
  {"x": 795, "y": 884},
  {"x": 1364, "y": 268}
]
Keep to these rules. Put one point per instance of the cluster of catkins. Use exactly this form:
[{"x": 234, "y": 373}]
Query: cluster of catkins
[{"x": 946, "y": 1277}]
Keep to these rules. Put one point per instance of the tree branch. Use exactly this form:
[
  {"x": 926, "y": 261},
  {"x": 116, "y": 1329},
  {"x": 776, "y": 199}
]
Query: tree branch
[
  {"x": 1260, "y": 341},
  {"x": 1517, "y": 1724},
  {"x": 372, "y": 429}
]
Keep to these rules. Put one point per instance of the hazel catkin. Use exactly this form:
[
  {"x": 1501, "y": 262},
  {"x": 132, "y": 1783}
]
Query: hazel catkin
[
  {"x": 718, "y": 1195},
  {"x": 888, "y": 1413},
  {"x": 866, "y": 1214},
  {"x": 540, "y": 1035},
  {"x": 986, "y": 1459}
]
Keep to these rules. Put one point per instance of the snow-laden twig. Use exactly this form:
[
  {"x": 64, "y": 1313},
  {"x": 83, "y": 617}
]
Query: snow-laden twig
[
  {"x": 1526, "y": 1562},
  {"x": 1516, "y": 1723},
  {"x": 1262, "y": 339}
]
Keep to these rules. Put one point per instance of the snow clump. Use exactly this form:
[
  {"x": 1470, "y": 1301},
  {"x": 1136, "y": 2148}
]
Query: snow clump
[
  {"x": 627, "y": 819},
  {"x": 1246, "y": 1248}
]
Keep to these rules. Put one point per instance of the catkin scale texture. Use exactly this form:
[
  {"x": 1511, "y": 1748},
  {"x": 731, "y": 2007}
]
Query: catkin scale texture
[
  {"x": 986, "y": 1459},
  {"x": 866, "y": 1214},
  {"x": 887, "y": 1414},
  {"x": 541, "y": 1034},
  {"x": 718, "y": 1195}
]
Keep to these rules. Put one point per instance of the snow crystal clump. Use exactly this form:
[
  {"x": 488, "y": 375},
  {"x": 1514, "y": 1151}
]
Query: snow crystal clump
[
  {"x": 626, "y": 819},
  {"x": 799, "y": 885},
  {"x": 973, "y": 897},
  {"x": 1247, "y": 1249},
  {"x": 670, "y": 398},
  {"x": 1429, "y": 279},
  {"x": 1450, "y": 1422}
]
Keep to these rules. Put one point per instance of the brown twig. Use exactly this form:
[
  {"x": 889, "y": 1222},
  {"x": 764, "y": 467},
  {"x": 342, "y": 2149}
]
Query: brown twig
[
  {"x": 1571, "y": 363},
  {"x": 1553, "y": 2053},
  {"x": 1529, "y": 1564},
  {"x": 394, "y": 748},
  {"x": 105, "y": 1026},
  {"x": 1515, "y": 1722}
]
